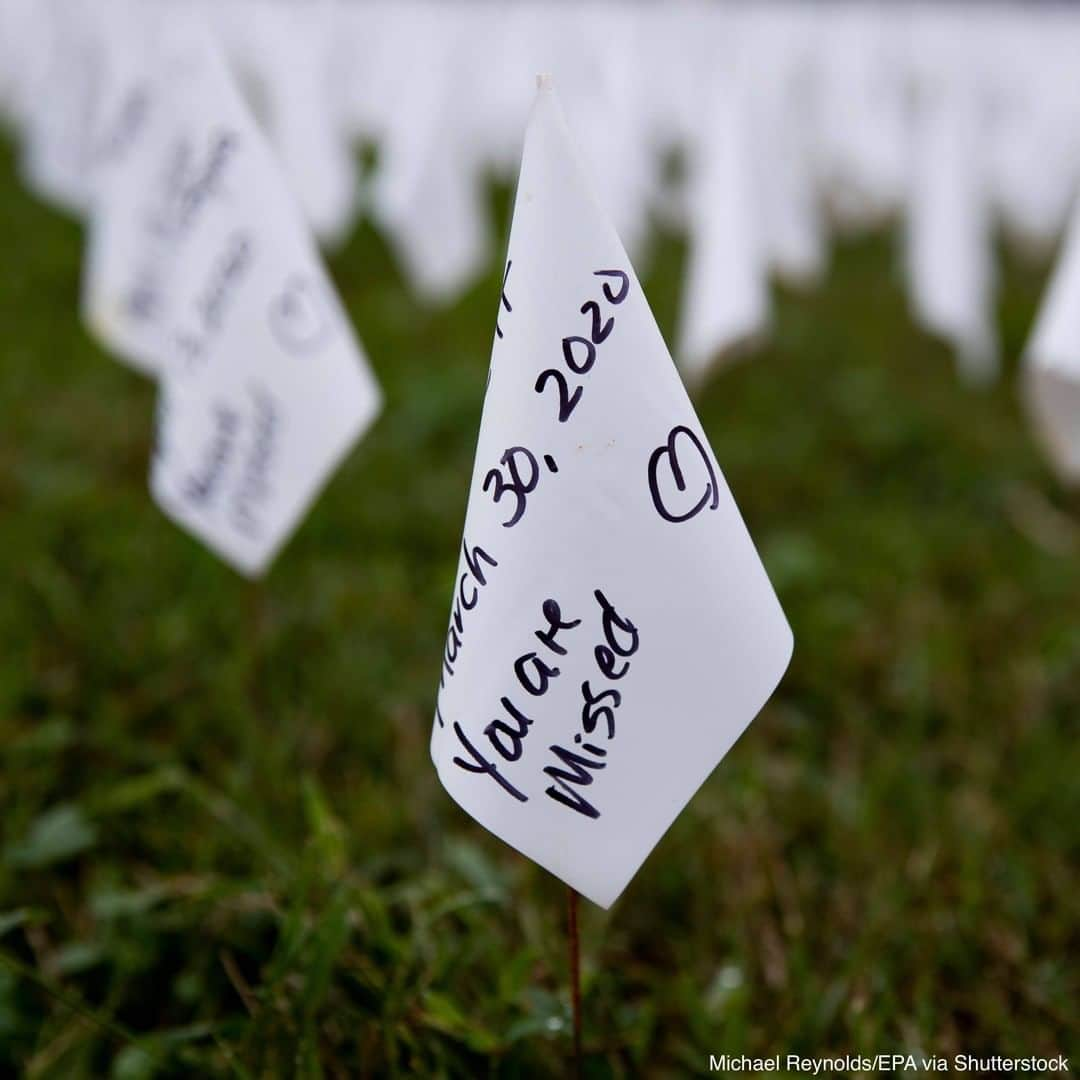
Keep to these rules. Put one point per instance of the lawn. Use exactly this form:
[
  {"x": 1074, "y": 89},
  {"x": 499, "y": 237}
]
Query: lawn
[{"x": 223, "y": 848}]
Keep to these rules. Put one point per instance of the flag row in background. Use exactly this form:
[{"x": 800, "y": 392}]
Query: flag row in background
[{"x": 790, "y": 120}]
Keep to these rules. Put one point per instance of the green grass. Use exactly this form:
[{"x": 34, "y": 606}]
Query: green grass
[{"x": 224, "y": 851}]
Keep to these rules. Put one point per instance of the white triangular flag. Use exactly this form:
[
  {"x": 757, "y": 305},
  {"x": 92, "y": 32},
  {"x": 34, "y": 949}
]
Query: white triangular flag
[
  {"x": 427, "y": 192},
  {"x": 21, "y": 29},
  {"x": 778, "y": 44},
  {"x": 1034, "y": 140},
  {"x": 861, "y": 109},
  {"x": 59, "y": 104},
  {"x": 1053, "y": 360},
  {"x": 290, "y": 49},
  {"x": 726, "y": 289},
  {"x": 613, "y": 630},
  {"x": 619, "y": 159},
  {"x": 131, "y": 240},
  {"x": 264, "y": 388},
  {"x": 950, "y": 262}
]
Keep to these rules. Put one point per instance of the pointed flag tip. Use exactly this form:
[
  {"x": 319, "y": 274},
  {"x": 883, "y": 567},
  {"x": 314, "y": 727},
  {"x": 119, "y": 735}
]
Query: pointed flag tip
[{"x": 544, "y": 81}]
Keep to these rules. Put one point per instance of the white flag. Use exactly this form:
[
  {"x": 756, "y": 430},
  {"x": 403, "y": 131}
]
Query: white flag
[
  {"x": 1033, "y": 152},
  {"x": 58, "y": 102},
  {"x": 612, "y": 630},
  {"x": 1053, "y": 361},
  {"x": 950, "y": 262},
  {"x": 289, "y": 48},
  {"x": 778, "y": 44},
  {"x": 131, "y": 240},
  {"x": 263, "y": 386},
  {"x": 726, "y": 292},
  {"x": 861, "y": 106},
  {"x": 427, "y": 192}
]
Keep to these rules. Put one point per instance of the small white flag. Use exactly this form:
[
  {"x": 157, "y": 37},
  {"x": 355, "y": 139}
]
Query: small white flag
[
  {"x": 612, "y": 629},
  {"x": 131, "y": 245},
  {"x": 58, "y": 102},
  {"x": 427, "y": 192},
  {"x": 950, "y": 261},
  {"x": 726, "y": 292},
  {"x": 263, "y": 386},
  {"x": 1053, "y": 360},
  {"x": 290, "y": 48}
]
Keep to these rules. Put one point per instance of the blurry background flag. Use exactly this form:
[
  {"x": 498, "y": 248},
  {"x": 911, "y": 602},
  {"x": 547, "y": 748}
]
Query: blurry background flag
[
  {"x": 782, "y": 115},
  {"x": 612, "y": 629},
  {"x": 726, "y": 299},
  {"x": 760, "y": 129},
  {"x": 263, "y": 388},
  {"x": 949, "y": 232},
  {"x": 132, "y": 225},
  {"x": 283, "y": 56},
  {"x": 1053, "y": 361},
  {"x": 427, "y": 194},
  {"x": 58, "y": 82},
  {"x": 788, "y": 119}
]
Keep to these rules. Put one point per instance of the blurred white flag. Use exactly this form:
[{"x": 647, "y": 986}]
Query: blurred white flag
[
  {"x": 20, "y": 23},
  {"x": 950, "y": 259},
  {"x": 263, "y": 388},
  {"x": 612, "y": 630},
  {"x": 1053, "y": 360},
  {"x": 1033, "y": 152},
  {"x": 778, "y": 42},
  {"x": 131, "y": 240},
  {"x": 58, "y": 99},
  {"x": 287, "y": 50},
  {"x": 861, "y": 133},
  {"x": 427, "y": 191},
  {"x": 726, "y": 292}
]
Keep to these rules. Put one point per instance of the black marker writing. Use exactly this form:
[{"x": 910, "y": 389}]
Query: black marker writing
[
  {"x": 598, "y": 708},
  {"x": 197, "y": 186},
  {"x": 480, "y": 764},
  {"x": 254, "y": 488},
  {"x": 466, "y": 597},
  {"x": 563, "y": 792},
  {"x": 200, "y": 487},
  {"x": 517, "y": 485},
  {"x": 553, "y": 617},
  {"x": 127, "y": 126},
  {"x": 579, "y": 352},
  {"x": 227, "y": 273},
  {"x": 504, "y": 299},
  {"x": 665, "y": 462},
  {"x": 506, "y": 734},
  {"x": 576, "y": 767},
  {"x": 613, "y": 625},
  {"x": 624, "y": 285}
]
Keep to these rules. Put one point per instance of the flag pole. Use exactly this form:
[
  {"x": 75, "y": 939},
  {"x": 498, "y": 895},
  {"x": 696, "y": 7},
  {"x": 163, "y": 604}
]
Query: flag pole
[{"x": 575, "y": 974}]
